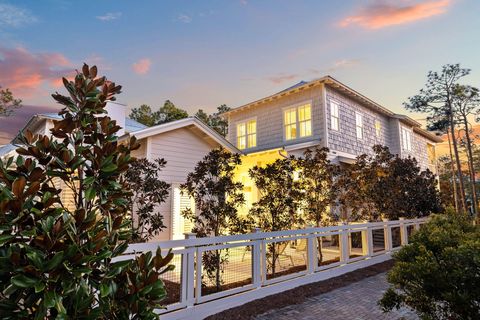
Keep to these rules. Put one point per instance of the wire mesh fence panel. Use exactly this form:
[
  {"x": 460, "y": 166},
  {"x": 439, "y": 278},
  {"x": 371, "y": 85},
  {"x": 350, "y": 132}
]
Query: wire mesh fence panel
[
  {"x": 172, "y": 281},
  {"x": 328, "y": 250},
  {"x": 356, "y": 244},
  {"x": 410, "y": 231},
  {"x": 286, "y": 257},
  {"x": 378, "y": 236},
  {"x": 226, "y": 269},
  {"x": 396, "y": 237}
]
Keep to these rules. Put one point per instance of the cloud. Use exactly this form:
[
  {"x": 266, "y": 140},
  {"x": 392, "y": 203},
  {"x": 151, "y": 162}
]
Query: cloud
[
  {"x": 280, "y": 78},
  {"x": 12, "y": 16},
  {"x": 386, "y": 13},
  {"x": 109, "y": 16},
  {"x": 24, "y": 72},
  {"x": 142, "y": 66},
  {"x": 243, "y": 2},
  {"x": 338, "y": 64},
  {"x": 184, "y": 18}
]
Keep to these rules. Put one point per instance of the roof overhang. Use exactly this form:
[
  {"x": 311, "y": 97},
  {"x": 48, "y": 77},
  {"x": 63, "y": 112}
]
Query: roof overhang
[{"x": 183, "y": 123}]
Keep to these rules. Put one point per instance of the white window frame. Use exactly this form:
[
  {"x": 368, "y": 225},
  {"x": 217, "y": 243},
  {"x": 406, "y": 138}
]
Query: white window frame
[
  {"x": 359, "y": 125},
  {"x": 297, "y": 120},
  {"x": 334, "y": 116},
  {"x": 406, "y": 136},
  {"x": 247, "y": 133}
]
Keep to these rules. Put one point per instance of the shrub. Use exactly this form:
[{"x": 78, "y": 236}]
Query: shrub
[
  {"x": 437, "y": 274},
  {"x": 56, "y": 261}
]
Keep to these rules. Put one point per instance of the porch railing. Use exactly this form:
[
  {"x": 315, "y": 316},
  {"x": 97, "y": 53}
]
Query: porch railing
[{"x": 252, "y": 271}]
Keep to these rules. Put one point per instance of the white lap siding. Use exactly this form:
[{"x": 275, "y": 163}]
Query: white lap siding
[{"x": 182, "y": 149}]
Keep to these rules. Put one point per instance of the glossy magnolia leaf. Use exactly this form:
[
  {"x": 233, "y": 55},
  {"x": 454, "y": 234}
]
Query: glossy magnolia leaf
[
  {"x": 18, "y": 186},
  {"x": 22, "y": 281}
]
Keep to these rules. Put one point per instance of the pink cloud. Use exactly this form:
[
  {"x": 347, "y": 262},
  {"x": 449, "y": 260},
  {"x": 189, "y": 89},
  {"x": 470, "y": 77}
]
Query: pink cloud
[
  {"x": 385, "y": 13},
  {"x": 142, "y": 66},
  {"x": 25, "y": 72},
  {"x": 278, "y": 79}
]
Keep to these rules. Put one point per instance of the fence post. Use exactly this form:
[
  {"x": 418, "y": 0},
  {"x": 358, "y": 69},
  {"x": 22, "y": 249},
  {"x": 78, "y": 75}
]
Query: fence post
[
  {"x": 344, "y": 245},
  {"x": 188, "y": 273},
  {"x": 311, "y": 251},
  {"x": 368, "y": 242},
  {"x": 388, "y": 235},
  {"x": 403, "y": 232},
  {"x": 257, "y": 260}
]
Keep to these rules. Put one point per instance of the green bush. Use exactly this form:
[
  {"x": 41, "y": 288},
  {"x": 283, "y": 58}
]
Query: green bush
[{"x": 438, "y": 273}]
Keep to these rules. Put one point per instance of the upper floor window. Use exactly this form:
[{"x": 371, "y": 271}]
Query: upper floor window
[
  {"x": 334, "y": 116},
  {"x": 406, "y": 139},
  {"x": 298, "y": 122},
  {"x": 378, "y": 128},
  {"x": 359, "y": 125},
  {"x": 247, "y": 134}
]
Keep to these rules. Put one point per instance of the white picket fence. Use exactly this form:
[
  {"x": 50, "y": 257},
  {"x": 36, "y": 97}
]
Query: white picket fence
[{"x": 306, "y": 256}]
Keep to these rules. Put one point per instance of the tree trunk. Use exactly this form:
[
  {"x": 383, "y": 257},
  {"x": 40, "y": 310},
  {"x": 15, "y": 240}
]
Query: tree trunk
[
  {"x": 454, "y": 181},
  {"x": 459, "y": 165},
  {"x": 470, "y": 164}
]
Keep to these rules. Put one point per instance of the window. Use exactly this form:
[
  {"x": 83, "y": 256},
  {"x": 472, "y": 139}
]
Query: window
[
  {"x": 247, "y": 134},
  {"x": 359, "y": 125},
  {"x": 298, "y": 122},
  {"x": 406, "y": 140},
  {"x": 378, "y": 128},
  {"x": 334, "y": 117}
]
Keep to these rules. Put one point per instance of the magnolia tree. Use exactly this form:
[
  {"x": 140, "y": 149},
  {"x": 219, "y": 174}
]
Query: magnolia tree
[
  {"x": 148, "y": 191},
  {"x": 280, "y": 200},
  {"x": 217, "y": 199},
  {"x": 57, "y": 261},
  {"x": 387, "y": 186}
]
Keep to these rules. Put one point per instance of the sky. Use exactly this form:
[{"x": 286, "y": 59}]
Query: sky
[{"x": 201, "y": 54}]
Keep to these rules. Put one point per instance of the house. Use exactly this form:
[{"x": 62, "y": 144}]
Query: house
[
  {"x": 324, "y": 113},
  {"x": 181, "y": 143}
]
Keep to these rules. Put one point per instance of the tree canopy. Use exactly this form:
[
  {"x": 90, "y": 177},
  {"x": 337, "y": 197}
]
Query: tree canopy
[
  {"x": 8, "y": 103},
  {"x": 167, "y": 113}
]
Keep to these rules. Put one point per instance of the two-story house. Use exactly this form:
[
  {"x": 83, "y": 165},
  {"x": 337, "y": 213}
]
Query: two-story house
[{"x": 325, "y": 113}]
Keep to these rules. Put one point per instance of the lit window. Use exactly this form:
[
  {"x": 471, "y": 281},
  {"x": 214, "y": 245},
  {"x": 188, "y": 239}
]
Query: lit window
[
  {"x": 305, "y": 120},
  {"x": 359, "y": 125},
  {"x": 334, "y": 118},
  {"x": 378, "y": 128},
  {"x": 247, "y": 134},
  {"x": 406, "y": 139},
  {"x": 298, "y": 122},
  {"x": 290, "y": 124},
  {"x": 252, "y": 133}
]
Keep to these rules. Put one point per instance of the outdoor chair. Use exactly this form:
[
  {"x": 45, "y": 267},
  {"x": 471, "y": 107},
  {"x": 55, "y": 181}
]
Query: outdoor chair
[
  {"x": 280, "y": 248},
  {"x": 302, "y": 248}
]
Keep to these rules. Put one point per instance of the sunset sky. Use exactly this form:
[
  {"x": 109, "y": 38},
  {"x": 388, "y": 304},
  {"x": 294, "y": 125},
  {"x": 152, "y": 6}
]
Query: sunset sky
[{"x": 200, "y": 54}]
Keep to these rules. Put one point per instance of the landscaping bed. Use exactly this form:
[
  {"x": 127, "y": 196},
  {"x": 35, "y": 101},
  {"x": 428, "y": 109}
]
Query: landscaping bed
[{"x": 299, "y": 294}]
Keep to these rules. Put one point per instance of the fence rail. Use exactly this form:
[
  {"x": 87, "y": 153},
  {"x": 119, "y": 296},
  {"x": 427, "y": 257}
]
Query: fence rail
[{"x": 263, "y": 263}]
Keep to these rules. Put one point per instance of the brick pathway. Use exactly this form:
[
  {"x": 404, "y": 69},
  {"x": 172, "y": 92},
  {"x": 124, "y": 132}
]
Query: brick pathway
[{"x": 357, "y": 301}]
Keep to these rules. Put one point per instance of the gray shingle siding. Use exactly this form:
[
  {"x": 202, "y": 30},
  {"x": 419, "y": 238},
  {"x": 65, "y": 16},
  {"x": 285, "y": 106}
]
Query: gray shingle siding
[
  {"x": 269, "y": 117},
  {"x": 345, "y": 139}
]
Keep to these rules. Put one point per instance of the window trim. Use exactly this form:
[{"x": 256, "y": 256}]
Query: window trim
[
  {"x": 297, "y": 121},
  {"x": 332, "y": 117},
  {"x": 361, "y": 126},
  {"x": 245, "y": 122},
  {"x": 409, "y": 143}
]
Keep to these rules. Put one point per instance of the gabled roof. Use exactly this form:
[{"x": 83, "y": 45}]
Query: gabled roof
[
  {"x": 184, "y": 123},
  {"x": 130, "y": 124},
  {"x": 328, "y": 80}
]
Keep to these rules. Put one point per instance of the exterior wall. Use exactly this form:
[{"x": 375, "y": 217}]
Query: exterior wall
[
  {"x": 345, "y": 139},
  {"x": 270, "y": 132},
  {"x": 420, "y": 151},
  {"x": 182, "y": 150}
]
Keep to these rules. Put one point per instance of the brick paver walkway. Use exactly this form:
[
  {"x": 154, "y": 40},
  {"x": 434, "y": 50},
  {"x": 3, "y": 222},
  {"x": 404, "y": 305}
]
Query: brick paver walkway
[{"x": 357, "y": 301}]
